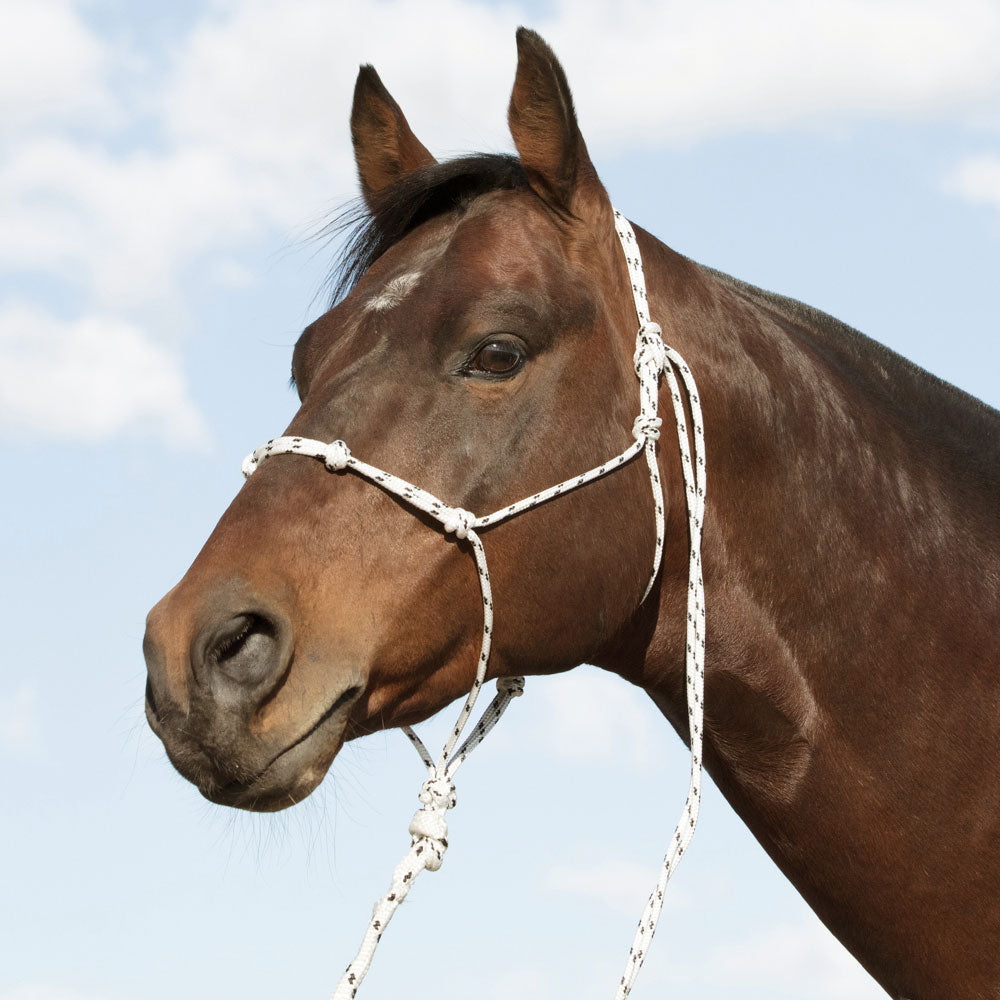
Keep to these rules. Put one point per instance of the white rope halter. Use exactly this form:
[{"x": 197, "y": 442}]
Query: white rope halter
[{"x": 428, "y": 828}]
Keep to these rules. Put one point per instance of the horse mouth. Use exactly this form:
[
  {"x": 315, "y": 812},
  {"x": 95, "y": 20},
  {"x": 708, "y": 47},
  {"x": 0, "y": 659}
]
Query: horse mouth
[{"x": 288, "y": 777}]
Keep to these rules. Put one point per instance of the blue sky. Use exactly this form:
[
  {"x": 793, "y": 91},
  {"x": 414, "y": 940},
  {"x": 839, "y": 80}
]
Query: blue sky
[{"x": 158, "y": 174}]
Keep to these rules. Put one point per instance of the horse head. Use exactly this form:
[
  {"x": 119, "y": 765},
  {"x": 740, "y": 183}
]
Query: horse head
[{"x": 483, "y": 351}]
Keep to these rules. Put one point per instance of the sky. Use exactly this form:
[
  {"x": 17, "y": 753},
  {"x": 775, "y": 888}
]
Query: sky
[{"x": 163, "y": 172}]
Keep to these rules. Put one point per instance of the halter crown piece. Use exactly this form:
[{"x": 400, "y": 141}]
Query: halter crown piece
[{"x": 428, "y": 828}]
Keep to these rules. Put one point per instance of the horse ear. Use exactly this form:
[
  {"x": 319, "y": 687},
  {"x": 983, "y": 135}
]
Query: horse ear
[
  {"x": 546, "y": 134},
  {"x": 385, "y": 147}
]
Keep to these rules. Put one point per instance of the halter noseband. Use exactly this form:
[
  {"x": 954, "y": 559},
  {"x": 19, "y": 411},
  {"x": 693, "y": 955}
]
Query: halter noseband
[{"x": 428, "y": 828}]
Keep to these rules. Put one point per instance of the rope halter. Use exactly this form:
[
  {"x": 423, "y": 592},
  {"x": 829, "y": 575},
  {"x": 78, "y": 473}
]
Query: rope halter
[{"x": 429, "y": 828}]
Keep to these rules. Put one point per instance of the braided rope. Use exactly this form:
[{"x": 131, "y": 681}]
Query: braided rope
[
  {"x": 428, "y": 828},
  {"x": 693, "y": 473}
]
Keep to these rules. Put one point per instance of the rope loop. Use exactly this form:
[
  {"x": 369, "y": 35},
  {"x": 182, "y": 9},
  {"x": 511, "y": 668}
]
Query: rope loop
[
  {"x": 646, "y": 427},
  {"x": 457, "y": 522},
  {"x": 336, "y": 456}
]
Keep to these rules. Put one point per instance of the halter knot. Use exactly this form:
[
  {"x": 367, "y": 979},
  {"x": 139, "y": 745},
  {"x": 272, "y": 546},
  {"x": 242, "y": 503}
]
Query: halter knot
[
  {"x": 646, "y": 427},
  {"x": 336, "y": 456},
  {"x": 429, "y": 828},
  {"x": 438, "y": 792},
  {"x": 650, "y": 350},
  {"x": 457, "y": 522}
]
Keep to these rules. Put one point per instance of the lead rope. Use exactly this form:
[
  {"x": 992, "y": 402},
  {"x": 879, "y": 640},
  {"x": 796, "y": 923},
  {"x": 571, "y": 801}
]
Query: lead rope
[
  {"x": 693, "y": 473},
  {"x": 428, "y": 828}
]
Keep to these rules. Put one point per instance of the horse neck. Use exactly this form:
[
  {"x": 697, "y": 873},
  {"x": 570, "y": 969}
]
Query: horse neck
[{"x": 852, "y": 560}]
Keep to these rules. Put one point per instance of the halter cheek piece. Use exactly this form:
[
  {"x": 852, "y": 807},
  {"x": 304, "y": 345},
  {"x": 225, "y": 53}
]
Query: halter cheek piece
[{"x": 428, "y": 828}]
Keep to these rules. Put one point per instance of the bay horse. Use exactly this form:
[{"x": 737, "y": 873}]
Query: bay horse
[{"x": 483, "y": 349}]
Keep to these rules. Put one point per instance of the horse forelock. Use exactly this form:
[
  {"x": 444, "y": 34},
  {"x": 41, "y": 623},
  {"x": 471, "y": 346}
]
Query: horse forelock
[{"x": 396, "y": 210}]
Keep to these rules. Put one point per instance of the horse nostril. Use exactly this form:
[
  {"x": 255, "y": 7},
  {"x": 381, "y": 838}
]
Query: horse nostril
[
  {"x": 237, "y": 634},
  {"x": 246, "y": 649}
]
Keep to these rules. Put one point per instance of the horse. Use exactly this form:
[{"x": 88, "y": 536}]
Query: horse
[{"x": 481, "y": 346}]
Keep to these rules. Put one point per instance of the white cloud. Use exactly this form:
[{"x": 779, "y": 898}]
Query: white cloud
[
  {"x": 592, "y": 716},
  {"x": 784, "y": 959},
  {"x": 619, "y": 885},
  {"x": 249, "y": 113},
  {"x": 89, "y": 378},
  {"x": 20, "y": 730},
  {"x": 793, "y": 957},
  {"x": 239, "y": 132},
  {"x": 272, "y": 83},
  {"x": 52, "y": 66},
  {"x": 977, "y": 179},
  {"x": 124, "y": 228},
  {"x": 696, "y": 71}
]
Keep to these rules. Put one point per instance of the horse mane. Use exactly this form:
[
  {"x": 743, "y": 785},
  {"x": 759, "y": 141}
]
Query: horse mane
[
  {"x": 944, "y": 412},
  {"x": 371, "y": 229}
]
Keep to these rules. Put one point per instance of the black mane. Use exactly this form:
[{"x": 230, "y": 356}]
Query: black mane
[{"x": 402, "y": 206}]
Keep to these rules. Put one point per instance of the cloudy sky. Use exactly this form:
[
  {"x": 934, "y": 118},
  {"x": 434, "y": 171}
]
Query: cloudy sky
[{"x": 162, "y": 168}]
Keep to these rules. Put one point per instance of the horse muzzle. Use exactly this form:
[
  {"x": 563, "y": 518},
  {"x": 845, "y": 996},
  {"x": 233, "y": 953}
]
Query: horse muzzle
[{"x": 217, "y": 681}]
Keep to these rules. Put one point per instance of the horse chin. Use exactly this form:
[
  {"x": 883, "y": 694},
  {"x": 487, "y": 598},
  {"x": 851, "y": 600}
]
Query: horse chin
[
  {"x": 283, "y": 777},
  {"x": 271, "y": 792}
]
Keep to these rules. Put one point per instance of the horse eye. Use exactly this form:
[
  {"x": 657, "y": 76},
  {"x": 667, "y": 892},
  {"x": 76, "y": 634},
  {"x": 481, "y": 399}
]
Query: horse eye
[{"x": 498, "y": 357}]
